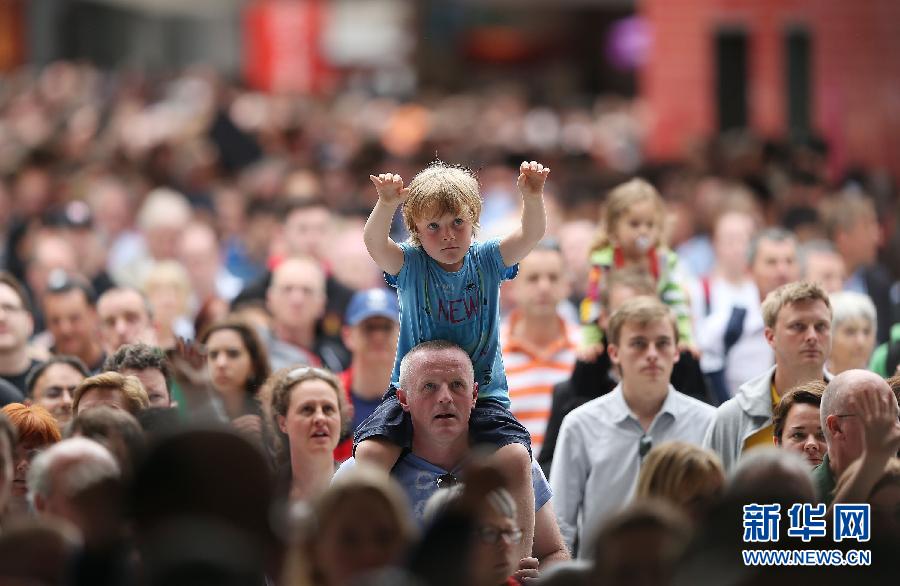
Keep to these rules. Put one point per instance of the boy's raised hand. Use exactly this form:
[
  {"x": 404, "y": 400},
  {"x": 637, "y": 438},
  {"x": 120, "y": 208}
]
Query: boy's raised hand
[
  {"x": 532, "y": 176},
  {"x": 390, "y": 188}
]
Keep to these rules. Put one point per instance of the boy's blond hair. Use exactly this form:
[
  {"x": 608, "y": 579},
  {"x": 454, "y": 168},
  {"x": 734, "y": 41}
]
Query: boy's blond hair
[
  {"x": 619, "y": 200},
  {"x": 789, "y": 294},
  {"x": 441, "y": 189},
  {"x": 640, "y": 311}
]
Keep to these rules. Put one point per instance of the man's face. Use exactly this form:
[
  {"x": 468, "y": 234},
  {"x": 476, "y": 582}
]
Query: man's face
[
  {"x": 801, "y": 337},
  {"x": 306, "y": 231},
  {"x": 296, "y": 296},
  {"x": 645, "y": 354},
  {"x": 109, "y": 396},
  {"x": 71, "y": 320},
  {"x": 541, "y": 283},
  {"x": 775, "y": 265},
  {"x": 859, "y": 244},
  {"x": 441, "y": 396},
  {"x": 16, "y": 324},
  {"x": 827, "y": 269},
  {"x": 732, "y": 239},
  {"x": 373, "y": 339},
  {"x": 123, "y": 319},
  {"x": 154, "y": 383},
  {"x": 54, "y": 389}
]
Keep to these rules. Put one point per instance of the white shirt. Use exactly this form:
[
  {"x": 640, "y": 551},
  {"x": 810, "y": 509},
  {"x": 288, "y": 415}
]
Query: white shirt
[{"x": 596, "y": 462}]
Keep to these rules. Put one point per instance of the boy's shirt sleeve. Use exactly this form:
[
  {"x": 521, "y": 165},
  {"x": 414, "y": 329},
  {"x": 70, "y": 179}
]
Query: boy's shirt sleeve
[
  {"x": 488, "y": 254},
  {"x": 411, "y": 265}
]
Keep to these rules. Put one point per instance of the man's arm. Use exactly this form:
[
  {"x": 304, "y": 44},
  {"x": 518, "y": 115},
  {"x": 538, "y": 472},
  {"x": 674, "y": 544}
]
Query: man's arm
[
  {"x": 567, "y": 479},
  {"x": 549, "y": 545},
  {"x": 517, "y": 245},
  {"x": 386, "y": 253}
]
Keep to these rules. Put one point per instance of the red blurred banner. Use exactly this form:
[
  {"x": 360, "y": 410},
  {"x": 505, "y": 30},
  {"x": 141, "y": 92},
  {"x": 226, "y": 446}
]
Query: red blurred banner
[{"x": 282, "y": 46}]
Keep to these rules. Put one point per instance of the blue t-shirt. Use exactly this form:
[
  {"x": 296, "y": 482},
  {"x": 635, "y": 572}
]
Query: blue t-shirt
[
  {"x": 418, "y": 478},
  {"x": 462, "y": 307}
]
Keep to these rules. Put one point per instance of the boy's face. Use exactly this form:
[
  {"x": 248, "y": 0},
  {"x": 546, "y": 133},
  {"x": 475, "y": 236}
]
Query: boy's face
[
  {"x": 446, "y": 239},
  {"x": 646, "y": 354}
]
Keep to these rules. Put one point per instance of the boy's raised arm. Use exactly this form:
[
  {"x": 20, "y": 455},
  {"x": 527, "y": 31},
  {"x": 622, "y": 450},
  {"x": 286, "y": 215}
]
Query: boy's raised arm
[
  {"x": 384, "y": 251},
  {"x": 517, "y": 245}
]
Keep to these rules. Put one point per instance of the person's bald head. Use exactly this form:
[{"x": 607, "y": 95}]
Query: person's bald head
[
  {"x": 841, "y": 421},
  {"x": 296, "y": 295}
]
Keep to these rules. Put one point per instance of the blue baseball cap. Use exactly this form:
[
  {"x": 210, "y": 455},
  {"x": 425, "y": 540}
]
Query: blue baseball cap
[{"x": 372, "y": 303}]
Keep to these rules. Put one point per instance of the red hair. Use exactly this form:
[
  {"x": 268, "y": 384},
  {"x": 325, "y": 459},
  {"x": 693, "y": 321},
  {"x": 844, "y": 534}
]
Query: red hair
[{"x": 34, "y": 423}]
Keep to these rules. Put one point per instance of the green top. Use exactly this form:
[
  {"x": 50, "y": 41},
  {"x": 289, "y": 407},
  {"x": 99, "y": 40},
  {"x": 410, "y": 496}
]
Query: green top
[
  {"x": 878, "y": 363},
  {"x": 669, "y": 291},
  {"x": 824, "y": 481}
]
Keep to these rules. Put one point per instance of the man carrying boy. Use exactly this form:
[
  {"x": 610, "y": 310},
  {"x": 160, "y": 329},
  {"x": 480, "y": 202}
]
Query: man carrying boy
[{"x": 449, "y": 288}]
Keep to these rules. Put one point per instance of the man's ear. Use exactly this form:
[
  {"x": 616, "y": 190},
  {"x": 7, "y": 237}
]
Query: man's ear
[
  {"x": 474, "y": 394},
  {"x": 613, "y": 351},
  {"x": 403, "y": 399},
  {"x": 281, "y": 423},
  {"x": 833, "y": 423},
  {"x": 769, "y": 333}
]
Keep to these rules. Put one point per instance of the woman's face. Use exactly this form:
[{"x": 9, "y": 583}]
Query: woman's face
[
  {"x": 6, "y": 471},
  {"x": 802, "y": 433},
  {"x": 362, "y": 535},
  {"x": 494, "y": 556},
  {"x": 852, "y": 344},
  {"x": 228, "y": 361},
  {"x": 313, "y": 419},
  {"x": 26, "y": 451}
]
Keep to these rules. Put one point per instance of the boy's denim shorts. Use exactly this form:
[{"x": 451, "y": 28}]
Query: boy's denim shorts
[{"x": 490, "y": 424}]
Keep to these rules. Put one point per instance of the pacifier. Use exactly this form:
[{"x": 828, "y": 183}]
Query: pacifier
[{"x": 643, "y": 243}]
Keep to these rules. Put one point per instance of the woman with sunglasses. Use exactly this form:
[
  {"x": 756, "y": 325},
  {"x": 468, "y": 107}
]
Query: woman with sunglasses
[
  {"x": 238, "y": 365},
  {"x": 309, "y": 408}
]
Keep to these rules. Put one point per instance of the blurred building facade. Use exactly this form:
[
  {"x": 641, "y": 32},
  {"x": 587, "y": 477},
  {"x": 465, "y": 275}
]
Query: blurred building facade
[{"x": 782, "y": 68}]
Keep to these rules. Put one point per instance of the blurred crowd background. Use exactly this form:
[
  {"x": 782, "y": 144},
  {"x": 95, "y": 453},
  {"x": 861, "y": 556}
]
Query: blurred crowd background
[{"x": 185, "y": 150}]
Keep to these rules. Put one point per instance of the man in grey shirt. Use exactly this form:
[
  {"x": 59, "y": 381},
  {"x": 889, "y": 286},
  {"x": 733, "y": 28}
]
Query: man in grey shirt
[{"x": 602, "y": 443}]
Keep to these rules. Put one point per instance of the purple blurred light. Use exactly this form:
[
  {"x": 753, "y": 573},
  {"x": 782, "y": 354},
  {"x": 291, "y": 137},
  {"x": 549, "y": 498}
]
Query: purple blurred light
[{"x": 628, "y": 43}]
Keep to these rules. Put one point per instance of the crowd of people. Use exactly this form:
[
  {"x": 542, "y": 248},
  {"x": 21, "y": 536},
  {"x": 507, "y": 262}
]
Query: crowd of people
[{"x": 258, "y": 339}]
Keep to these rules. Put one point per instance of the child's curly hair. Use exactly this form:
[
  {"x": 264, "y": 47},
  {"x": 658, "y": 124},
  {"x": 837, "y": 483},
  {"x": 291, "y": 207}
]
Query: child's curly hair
[{"x": 441, "y": 189}]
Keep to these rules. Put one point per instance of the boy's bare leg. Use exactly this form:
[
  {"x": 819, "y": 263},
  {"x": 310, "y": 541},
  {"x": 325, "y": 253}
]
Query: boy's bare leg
[
  {"x": 514, "y": 462},
  {"x": 378, "y": 451}
]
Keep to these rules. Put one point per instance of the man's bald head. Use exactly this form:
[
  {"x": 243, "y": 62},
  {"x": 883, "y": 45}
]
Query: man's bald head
[{"x": 841, "y": 423}]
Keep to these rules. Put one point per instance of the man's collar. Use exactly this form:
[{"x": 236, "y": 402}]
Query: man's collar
[{"x": 619, "y": 410}]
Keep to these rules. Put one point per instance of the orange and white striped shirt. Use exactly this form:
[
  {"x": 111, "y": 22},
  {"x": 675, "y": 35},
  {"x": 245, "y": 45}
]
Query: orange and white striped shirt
[{"x": 531, "y": 373}]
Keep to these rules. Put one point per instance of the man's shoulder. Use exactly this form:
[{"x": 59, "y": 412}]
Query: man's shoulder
[
  {"x": 592, "y": 411},
  {"x": 691, "y": 404}
]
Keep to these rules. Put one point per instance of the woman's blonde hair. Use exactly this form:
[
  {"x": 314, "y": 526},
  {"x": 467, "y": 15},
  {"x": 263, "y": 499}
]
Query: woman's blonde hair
[
  {"x": 619, "y": 201},
  {"x": 675, "y": 470},
  {"x": 366, "y": 480},
  {"x": 441, "y": 189}
]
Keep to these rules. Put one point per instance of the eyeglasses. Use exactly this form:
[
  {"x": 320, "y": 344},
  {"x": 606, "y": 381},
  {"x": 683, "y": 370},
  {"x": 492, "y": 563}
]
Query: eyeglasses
[
  {"x": 447, "y": 480},
  {"x": 645, "y": 445},
  {"x": 492, "y": 535}
]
